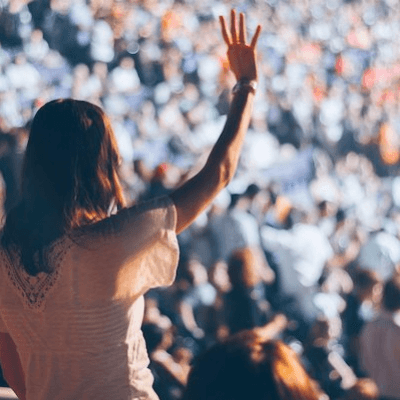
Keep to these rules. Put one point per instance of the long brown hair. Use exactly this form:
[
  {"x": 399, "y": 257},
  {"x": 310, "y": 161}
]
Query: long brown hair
[{"x": 69, "y": 178}]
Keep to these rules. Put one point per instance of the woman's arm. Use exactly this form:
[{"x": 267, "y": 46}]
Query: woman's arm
[
  {"x": 11, "y": 365},
  {"x": 195, "y": 195}
]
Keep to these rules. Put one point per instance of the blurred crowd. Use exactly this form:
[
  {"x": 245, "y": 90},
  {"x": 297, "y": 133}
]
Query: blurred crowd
[{"x": 308, "y": 229}]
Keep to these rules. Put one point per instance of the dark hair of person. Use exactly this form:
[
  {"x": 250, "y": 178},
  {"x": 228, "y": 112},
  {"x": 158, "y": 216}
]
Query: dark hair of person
[
  {"x": 252, "y": 190},
  {"x": 246, "y": 366},
  {"x": 69, "y": 179},
  {"x": 153, "y": 336},
  {"x": 391, "y": 294},
  {"x": 235, "y": 197},
  {"x": 322, "y": 205},
  {"x": 365, "y": 279},
  {"x": 340, "y": 215}
]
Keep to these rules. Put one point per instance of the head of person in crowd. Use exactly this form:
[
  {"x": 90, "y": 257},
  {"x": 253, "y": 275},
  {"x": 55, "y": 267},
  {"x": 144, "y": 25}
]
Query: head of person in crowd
[
  {"x": 219, "y": 276},
  {"x": 160, "y": 173},
  {"x": 327, "y": 208},
  {"x": 340, "y": 216},
  {"x": 325, "y": 330},
  {"x": 391, "y": 294},
  {"x": 235, "y": 198},
  {"x": 252, "y": 190},
  {"x": 69, "y": 177},
  {"x": 142, "y": 171},
  {"x": 364, "y": 389},
  {"x": 367, "y": 285},
  {"x": 244, "y": 201},
  {"x": 157, "y": 336},
  {"x": 249, "y": 366},
  {"x": 196, "y": 272},
  {"x": 243, "y": 270},
  {"x": 153, "y": 335}
]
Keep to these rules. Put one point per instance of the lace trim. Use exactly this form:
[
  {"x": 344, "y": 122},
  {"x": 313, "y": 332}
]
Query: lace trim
[{"x": 34, "y": 289}]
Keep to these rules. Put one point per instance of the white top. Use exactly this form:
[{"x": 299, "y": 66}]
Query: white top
[
  {"x": 301, "y": 254},
  {"x": 78, "y": 329},
  {"x": 308, "y": 247},
  {"x": 237, "y": 229}
]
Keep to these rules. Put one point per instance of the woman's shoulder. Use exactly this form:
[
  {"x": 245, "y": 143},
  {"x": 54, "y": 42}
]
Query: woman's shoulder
[{"x": 160, "y": 209}]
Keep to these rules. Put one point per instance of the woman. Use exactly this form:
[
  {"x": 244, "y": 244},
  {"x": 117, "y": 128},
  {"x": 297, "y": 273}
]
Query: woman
[{"x": 72, "y": 276}]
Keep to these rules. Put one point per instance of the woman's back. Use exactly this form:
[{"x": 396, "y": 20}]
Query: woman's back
[{"x": 77, "y": 328}]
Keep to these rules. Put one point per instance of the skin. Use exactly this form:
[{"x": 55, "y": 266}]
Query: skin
[{"x": 194, "y": 196}]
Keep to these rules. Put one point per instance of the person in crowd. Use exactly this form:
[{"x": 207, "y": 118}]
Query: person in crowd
[
  {"x": 301, "y": 251},
  {"x": 124, "y": 78},
  {"x": 237, "y": 229},
  {"x": 219, "y": 278},
  {"x": 245, "y": 303},
  {"x": 76, "y": 262},
  {"x": 169, "y": 376},
  {"x": 380, "y": 345},
  {"x": 158, "y": 181},
  {"x": 361, "y": 306},
  {"x": 319, "y": 347},
  {"x": 380, "y": 253},
  {"x": 250, "y": 365},
  {"x": 196, "y": 307}
]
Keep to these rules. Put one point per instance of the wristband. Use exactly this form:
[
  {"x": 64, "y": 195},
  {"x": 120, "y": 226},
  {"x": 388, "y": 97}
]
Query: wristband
[{"x": 247, "y": 84}]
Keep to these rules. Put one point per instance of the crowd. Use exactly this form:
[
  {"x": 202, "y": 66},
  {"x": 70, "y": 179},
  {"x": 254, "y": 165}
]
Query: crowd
[{"x": 308, "y": 229}]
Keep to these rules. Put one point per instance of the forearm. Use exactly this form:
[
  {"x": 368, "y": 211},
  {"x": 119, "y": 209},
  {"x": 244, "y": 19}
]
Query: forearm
[
  {"x": 199, "y": 191},
  {"x": 224, "y": 156},
  {"x": 195, "y": 195}
]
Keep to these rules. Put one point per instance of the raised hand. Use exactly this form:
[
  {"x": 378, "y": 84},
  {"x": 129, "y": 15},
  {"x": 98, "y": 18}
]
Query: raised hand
[
  {"x": 241, "y": 56},
  {"x": 195, "y": 195}
]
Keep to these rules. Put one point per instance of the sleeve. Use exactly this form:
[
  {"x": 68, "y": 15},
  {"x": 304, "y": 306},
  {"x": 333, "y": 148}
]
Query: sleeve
[{"x": 140, "y": 245}]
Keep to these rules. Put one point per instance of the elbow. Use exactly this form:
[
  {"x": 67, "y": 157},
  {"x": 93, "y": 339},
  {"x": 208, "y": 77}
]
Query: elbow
[
  {"x": 226, "y": 173},
  {"x": 217, "y": 178}
]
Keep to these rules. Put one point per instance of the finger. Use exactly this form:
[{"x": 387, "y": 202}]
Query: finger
[
  {"x": 233, "y": 27},
  {"x": 242, "y": 30},
  {"x": 255, "y": 37},
  {"x": 224, "y": 30}
]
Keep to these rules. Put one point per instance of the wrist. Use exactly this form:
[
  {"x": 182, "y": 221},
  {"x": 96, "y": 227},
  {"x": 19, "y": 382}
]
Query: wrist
[{"x": 245, "y": 85}]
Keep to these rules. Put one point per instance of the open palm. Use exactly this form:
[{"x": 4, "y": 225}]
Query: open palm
[{"x": 241, "y": 56}]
